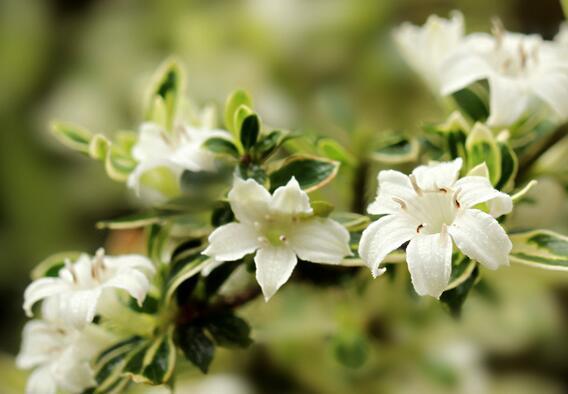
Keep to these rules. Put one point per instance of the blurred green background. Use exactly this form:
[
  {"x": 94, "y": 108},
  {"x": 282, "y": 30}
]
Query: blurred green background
[{"x": 325, "y": 66}]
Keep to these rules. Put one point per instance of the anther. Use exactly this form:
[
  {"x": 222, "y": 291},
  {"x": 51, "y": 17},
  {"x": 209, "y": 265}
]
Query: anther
[
  {"x": 282, "y": 238},
  {"x": 415, "y": 185},
  {"x": 497, "y": 29},
  {"x": 69, "y": 267},
  {"x": 420, "y": 227},
  {"x": 443, "y": 190},
  {"x": 400, "y": 202}
]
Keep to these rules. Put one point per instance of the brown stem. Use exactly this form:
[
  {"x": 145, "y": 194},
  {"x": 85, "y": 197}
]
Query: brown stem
[{"x": 526, "y": 164}]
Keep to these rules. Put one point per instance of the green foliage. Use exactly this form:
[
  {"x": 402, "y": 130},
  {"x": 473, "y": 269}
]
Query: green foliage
[
  {"x": 165, "y": 93},
  {"x": 222, "y": 146},
  {"x": 250, "y": 128},
  {"x": 455, "y": 297},
  {"x": 350, "y": 349},
  {"x": 196, "y": 346},
  {"x": 473, "y": 101},
  {"x": 481, "y": 146},
  {"x": 396, "y": 150},
  {"x": 541, "y": 249},
  {"x": 236, "y": 100},
  {"x": 311, "y": 173}
]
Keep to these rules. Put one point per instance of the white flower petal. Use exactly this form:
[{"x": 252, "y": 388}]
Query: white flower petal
[
  {"x": 291, "y": 199},
  {"x": 232, "y": 241},
  {"x": 132, "y": 261},
  {"x": 481, "y": 238},
  {"x": 382, "y": 237},
  {"x": 249, "y": 200},
  {"x": 552, "y": 88},
  {"x": 429, "y": 258},
  {"x": 320, "y": 240},
  {"x": 133, "y": 281},
  {"x": 41, "y": 381},
  {"x": 151, "y": 144},
  {"x": 476, "y": 189},
  {"x": 437, "y": 175},
  {"x": 78, "y": 307},
  {"x": 274, "y": 265},
  {"x": 509, "y": 100},
  {"x": 391, "y": 184},
  {"x": 38, "y": 339},
  {"x": 464, "y": 66},
  {"x": 42, "y": 288}
]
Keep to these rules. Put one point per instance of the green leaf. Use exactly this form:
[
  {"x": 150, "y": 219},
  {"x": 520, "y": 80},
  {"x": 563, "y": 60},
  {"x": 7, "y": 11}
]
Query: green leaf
[
  {"x": 229, "y": 330},
  {"x": 455, "y": 297},
  {"x": 196, "y": 346},
  {"x": 119, "y": 165},
  {"x": 482, "y": 147},
  {"x": 351, "y": 221},
  {"x": 331, "y": 149},
  {"x": 222, "y": 146},
  {"x": 156, "y": 240},
  {"x": 462, "y": 267},
  {"x": 250, "y": 129},
  {"x": 253, "y": 171},
  {"x": 222, "y": 214},
  {"x": 268, "y": 144},
  {"x": 165, "y": 93},
  {"x": 136, "y": 220},
  {"x": 351, "y": 349},
  {"x": 472, "y": 101},
  {"x": 99, "y": 147},
  {"x": 311, "y": 173},
  {"x": 453, "y": 133},
  {"x": 541, "y": 249},
  {"x": 397, "y": 150},
  {"x": 322, "y": 208},
  {"x": 72, "y": 136},
  {"x": 237, "y": 99},
  {"x": 190, "y": 267},
  {"x": 51, "y": 265},
  {"x": 509, "y": 166},
  {"x": 159, "y": 361},
  {"x": 241, "y": 114}
]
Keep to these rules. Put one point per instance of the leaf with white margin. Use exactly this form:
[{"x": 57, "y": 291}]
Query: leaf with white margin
[{"x": 541, "y": 249}]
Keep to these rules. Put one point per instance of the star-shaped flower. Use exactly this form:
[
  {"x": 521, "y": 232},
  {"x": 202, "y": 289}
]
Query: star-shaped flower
[
  {"x": 182, "y": 149},
  {"x": 430, "y": 208},
  {"x": 73, "y": 295},
  {"x": 60, "y": 356},
  {"x": 524, "y": 73},
  {"x": 425, "y": 48},
  {"x": 280, "y": 228}
]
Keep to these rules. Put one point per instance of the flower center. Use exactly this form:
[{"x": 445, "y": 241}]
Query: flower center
[
  {"x": 513, "y": 57},
  {"x": 273, "y": 230}
]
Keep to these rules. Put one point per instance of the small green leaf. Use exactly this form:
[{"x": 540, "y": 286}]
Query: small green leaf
[
  {"x": 160, "y": 360},
  {"x": 222, "y": 214},
  {"x": 51, "y": 265},
  {"x": 472, "y": 101},
  {"x": 136, "y": 220},
  {"x": 541, "y": 249},
  {"x": 229, "y": 330},
  {"x": 482, "y": 147},
  {"x": 455, "y": 297},
  {"x": 268, "y": 144},
  {"x": 462, "y": 268},
  {"x": 241, "y": 114},
  {"x": 331, "y": 149},
  {"x": 453, "y": 133},
  {"x": 222, "y": 146},
  {"x": 351, "y": 349},
  {"x": 191, "y": 266},
  {"x": 311, "y": 173},
  {"x": 98, "y": 147},
  {"x": 72, "y": 136},
  {"x": 397, "y": 150},
  {"x": 351, "y": 221},
  {"x": 250, "y": 129},
  {"x": 322, "y": 208},
  {"x": 165, "y": 93},
  {"x": 509, "y": 166},
  {"x": 237, "y": 99},
  {"x": 196, "y": 346},
  {"x": 118, "y": 165}
]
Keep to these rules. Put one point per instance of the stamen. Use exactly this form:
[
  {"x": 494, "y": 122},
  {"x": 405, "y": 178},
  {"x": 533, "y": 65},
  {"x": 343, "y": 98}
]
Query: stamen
[
  {"x": 420, "y": 227},
  {"x": 400, "y": 202},
  {"x": 522, "y": 56},
  {"x": 415, "y": 184},
  {"x": 443, "y": 232},
  {"x": 282, "y": 238},
  {"x": 443, "y": 190},
  {"x": 498, "y": 31},
  {"x": 456, "y": 196},
  {"x": 166, "y": 138}
]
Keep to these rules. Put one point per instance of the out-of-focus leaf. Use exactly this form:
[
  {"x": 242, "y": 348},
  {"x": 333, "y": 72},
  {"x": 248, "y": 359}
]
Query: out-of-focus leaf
[
  {"x": 331, "y": 149},
  {"x": 99, "y": 147},
  {"x": 351, "y": 221},
  {"x": 322, "y": 208},
  {"x": 192, "y": 266},
  {"x": 482, "y": 147},
  {"x": 509, "y": 166},
  {"x": 165, "y": 93},
  {"x": 250, "y": 129},
  {"x": 472, "y": 101},
  {"x": 351, "y": 349},
  {"x": 453, "y": 133},
  {"x": 521, "y": 193},
  {"x": 455, "y": 297},
  {"x": 222, "y": 146},
  {"x": 72, "y": 136},
  {"x": 222, "y": 214},
  {"x": 196, "y": 346},
  {"x": 158, "y": 362},
  {"x": 229, "y": 330},
  {"x": 118, "y": 165},
  {"x": 237, "y": 99},
  {"x": 541, "y": 249},
  {"x": 462, "y": 268},
  {"x": 396, "y": 151},
  {"x": 136, "y": 220},
  {"x": 311, "y": 173}
]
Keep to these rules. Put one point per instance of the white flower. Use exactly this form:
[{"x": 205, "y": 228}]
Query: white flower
[
  {"x": 279, "y": 228},
  {"x": 180, "y": 150},
  {"x": 429, "y": 208},
  {"x": 524, "y": 73},
  {"x": 60, "y": 356},
  {"x": 425, "y": 48},
  {"x": 562, "y": 36},
  {"x": 73, "y": 295}
]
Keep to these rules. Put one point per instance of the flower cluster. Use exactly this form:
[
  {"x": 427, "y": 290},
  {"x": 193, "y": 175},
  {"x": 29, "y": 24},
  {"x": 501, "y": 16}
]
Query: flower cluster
[
  {"x": 61, "y": 346},
  {"x": 525, "y": 73}
]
